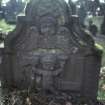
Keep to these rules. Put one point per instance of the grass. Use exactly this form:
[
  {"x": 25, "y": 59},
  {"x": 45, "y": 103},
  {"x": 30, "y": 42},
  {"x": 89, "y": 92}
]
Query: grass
[
  {"x": 4, "y": 27},
  {"x": 101, "y": 92}
]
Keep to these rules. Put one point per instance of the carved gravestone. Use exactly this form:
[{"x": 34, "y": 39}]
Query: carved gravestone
[{"x": 49, "y": 49}]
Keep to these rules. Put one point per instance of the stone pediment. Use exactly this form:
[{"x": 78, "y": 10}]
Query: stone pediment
[{"x": 47, "y": 25}]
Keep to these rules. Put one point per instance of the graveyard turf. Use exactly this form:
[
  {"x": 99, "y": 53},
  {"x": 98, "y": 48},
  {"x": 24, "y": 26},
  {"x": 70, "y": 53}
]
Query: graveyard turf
[
  {"x": 101, "y": 92},
  {"x": 4, "y": 27}
]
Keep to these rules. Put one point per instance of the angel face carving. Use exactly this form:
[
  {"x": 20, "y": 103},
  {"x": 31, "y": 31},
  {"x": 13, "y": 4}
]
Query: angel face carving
[
  {"x": 47, "y": 25},
  {"x": 48, "y": 62}
]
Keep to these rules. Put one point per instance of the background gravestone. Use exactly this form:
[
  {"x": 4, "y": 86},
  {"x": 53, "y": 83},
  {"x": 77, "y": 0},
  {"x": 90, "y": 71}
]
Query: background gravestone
[{"x": 12, "y": 9}]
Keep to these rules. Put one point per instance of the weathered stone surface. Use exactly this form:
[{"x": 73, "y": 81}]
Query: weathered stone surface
[{"x": 50, "y": 50}]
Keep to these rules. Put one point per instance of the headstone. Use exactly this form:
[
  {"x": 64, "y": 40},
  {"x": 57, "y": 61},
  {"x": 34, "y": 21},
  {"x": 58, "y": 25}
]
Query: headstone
[
  {"x": 48, "y": 50},
  {"x": 82, "y": 12},
  {"x": 1, "y": 56},
  {"x": 73, "y": 7},
  {"x": 12, "y": 9},
  {"x": 93, "y": 28},
  {"x": 102, "y": 27},
  {"x": 1, "y": 11}
]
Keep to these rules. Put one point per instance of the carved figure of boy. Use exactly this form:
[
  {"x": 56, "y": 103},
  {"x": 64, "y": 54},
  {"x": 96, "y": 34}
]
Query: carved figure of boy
[{"x": 51, "y": 66}]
